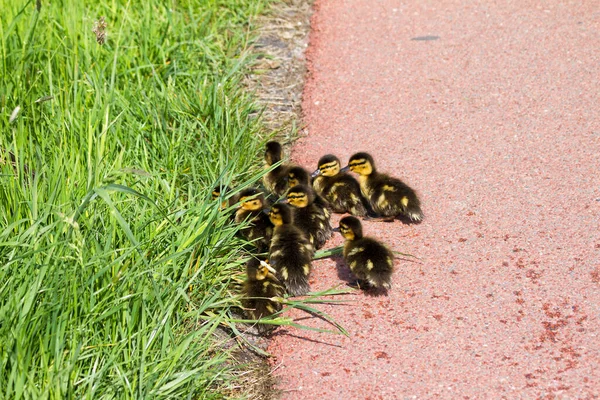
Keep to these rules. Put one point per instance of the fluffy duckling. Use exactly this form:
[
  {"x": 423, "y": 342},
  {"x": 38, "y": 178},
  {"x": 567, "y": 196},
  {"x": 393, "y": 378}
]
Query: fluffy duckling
[
  {"x": 369, "y": 260},
  {"x": 291, "y": 252},
  {"x": 297, "y": 176},
  {"x": 260, "y": 229},
  {"x": 275, "y": 181},
  {"x": 310, "y": 217},
  {"x": 260, "y": 292},
  {"x": 221, "y": 191},
  {"x": 340, "y": 189},
  {"x": 388, "y": 196}
]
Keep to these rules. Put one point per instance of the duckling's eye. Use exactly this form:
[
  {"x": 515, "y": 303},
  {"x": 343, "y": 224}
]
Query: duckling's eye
[{"x": 295, "y": 197}]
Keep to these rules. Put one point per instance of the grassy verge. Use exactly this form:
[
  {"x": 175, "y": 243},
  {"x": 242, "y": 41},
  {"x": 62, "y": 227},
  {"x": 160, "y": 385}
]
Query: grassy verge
[{"x": 111, "y": 254}]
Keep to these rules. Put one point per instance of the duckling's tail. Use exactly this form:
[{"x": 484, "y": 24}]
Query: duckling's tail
[
  {"x": 380, "y": 282},
  {"x": 412, "y": 209},
  {"x": 297, "y": 286}
]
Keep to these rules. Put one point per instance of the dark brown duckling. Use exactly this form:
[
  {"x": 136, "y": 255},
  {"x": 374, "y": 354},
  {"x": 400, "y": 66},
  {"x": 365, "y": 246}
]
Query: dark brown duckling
[
  {"x": 275, "y": 181},
  {"x": 310, "y": 217},
  {"x": 368, "y": 259},
  {"x": 291, "y": 252},
  {"x": 260, "y": 229},
  {"x": 299, "y": 176},
  {"x": 261, "y": 292},
  {"x": 338, "y": 188},
  {"x": 387, "y": 196},
  {"x": 222, "y": 192}
]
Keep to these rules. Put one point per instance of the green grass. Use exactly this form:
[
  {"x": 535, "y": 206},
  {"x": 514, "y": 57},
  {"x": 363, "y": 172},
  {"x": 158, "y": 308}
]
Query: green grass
[{"x": 111, "y": 254}]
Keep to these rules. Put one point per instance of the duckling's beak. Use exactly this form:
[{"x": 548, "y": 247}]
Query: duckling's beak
[
  {"x": 284, "y": 201},
  {"x": 336, "y": 229},
  {"x": 266, "y": 211},
  {"x": 345, "y": 169},
  {"x": 316, "y": 173}
]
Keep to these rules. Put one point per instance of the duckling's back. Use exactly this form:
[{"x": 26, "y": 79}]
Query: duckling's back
[
  {"x": 390, "y": 197},
  {"x": 314, "y": 221},
  {"x": 291, "y": 254},
  {"x": 370, "y": 261},
  {"x": 342, "y": 192},
  {"x": 260, "y": 229},
  {"x": 257, "y": 299}
]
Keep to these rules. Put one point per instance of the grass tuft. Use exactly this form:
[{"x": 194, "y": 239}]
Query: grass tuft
[{"x": 116, "y": 121}]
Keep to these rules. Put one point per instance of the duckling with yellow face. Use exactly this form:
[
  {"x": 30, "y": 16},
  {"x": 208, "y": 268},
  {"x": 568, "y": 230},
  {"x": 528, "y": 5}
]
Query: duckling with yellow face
[
  {"x": 275, "y": 181},
  {"x": 222, "y": 192},
  {"x": 299, "y": 176},
  {"x": 261, "y": 292},
  {"x": 260, "y": 228},
  {"x": 387, "y": 196},
  {"x": 291, "y": 252},
  {"x": 369, "y": 260},
  {"x": 310, "y": 217},
  {"x": 339, "y": 188}
]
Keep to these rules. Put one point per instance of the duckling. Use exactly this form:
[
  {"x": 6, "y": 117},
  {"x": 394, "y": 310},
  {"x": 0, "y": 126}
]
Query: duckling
[
  {"x": 340, "y": 189},
  {"x": 221, "y": 191},
  {"x": 299, "y": 176},
  {"x": 260, "y": 229},
  {"x": 387, "y": 196},
  {"x": 310, "y": 217},
  {"x": 369, "y": 260},
  {"x": 291, "y": 252},
  {"x": 275, "y": 181},
  {"x": 226, "y": 204},
  {"x": 260, "y": 291}
]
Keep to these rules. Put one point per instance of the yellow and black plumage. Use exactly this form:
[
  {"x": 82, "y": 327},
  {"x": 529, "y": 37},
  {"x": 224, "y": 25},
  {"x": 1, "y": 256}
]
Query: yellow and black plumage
[
  {"x": 261, "y": 292},
  {"x": 368, "y": 259},
  {"x": 222, "y": 192},
  {"x": 310, "y": 217},
  {"x": 387, "y": 196},
  {"x": 340, "y": 189},
  {"x": 291, "y": 252},
  {"x": 275, "y": 181},
  {"x": 297, "y": 176},
  {"x": 260, "y": 228}
]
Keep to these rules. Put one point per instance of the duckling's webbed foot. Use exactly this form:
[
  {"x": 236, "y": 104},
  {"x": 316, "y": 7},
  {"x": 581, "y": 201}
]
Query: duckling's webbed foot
[
  {"x": 379, "y": 219},
  {"x": 359, "y": 284}
]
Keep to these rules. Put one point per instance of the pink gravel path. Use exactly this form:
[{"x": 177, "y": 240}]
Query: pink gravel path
[{"x": 497, "y": 126}]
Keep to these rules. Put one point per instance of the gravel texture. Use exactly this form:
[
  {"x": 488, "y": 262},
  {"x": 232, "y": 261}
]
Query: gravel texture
[{"x": 490, "y": 110}]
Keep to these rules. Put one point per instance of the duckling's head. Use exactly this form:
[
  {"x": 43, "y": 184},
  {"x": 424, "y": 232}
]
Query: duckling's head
[
  {"x": 217, "y": 192},
  {"x": 362, "y": 164},
  {"x": 300, "y": 196},
  {"x": 329, "y": 165},
  {"x": 297, "y": 176},
  {"x": 273, "y": 152},
  {"x": 351, "y": 228},
  {"x": 252, "y": 199},
  {"x": 259, "y": 270},
  {"x": 281, "y": 214}
]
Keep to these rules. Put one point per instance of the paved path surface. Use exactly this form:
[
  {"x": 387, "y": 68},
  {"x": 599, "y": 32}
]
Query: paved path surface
[{"x": 497, "y": 125}]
